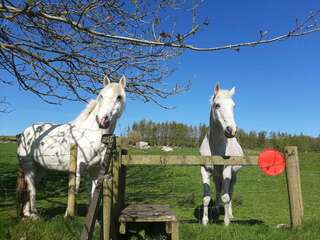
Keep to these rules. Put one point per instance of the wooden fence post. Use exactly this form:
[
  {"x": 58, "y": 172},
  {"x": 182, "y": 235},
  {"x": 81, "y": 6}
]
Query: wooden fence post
[
  {"x": 122, "y": 186},
  {"x": 107, "y": 202},
  {"x": 71, "y": 207},
  {"x": 294, "y": 186},
  {"x": 110, "y": 141}
]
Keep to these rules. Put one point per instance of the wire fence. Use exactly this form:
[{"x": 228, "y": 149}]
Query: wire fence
[
  {"x": 257, "y": 198},
  {"x": 181, "y": 187}
]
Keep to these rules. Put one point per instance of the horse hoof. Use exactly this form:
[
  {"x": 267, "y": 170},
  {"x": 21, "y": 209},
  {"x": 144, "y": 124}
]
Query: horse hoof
[
  {"x": 225, "y": 198},
  {"x": 205, "y": 221}
]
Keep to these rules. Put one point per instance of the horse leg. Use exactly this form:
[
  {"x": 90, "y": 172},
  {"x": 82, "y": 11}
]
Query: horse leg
[
  {"x": 227, "y": 175},
  {"x": 30, "y": 207},
  {"x": 235, "y": 169},
  {"x": 218, "y": 187},
  {"x": 28, "y": 171},
  {"x": 206, "y": 194}
]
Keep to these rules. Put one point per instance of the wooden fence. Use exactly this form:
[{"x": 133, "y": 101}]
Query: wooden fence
[{"x": 112, "y": 186}]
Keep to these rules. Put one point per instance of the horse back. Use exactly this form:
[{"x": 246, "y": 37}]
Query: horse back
[
  {"x": 42, "y": 143},
  {"x": 48, "y": 145}
]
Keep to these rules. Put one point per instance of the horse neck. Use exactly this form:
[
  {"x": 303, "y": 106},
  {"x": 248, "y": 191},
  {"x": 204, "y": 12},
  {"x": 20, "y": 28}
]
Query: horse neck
[
  {"x": 89, "y": 124},
  {"x": 217, "y": 139}
]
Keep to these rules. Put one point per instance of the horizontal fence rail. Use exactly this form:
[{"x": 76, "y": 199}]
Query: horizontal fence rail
[{"x": 187, "y": 160}]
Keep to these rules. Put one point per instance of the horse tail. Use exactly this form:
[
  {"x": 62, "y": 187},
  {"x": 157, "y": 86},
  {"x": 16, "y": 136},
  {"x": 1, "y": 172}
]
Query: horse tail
[{"x": 22, "y": 193}]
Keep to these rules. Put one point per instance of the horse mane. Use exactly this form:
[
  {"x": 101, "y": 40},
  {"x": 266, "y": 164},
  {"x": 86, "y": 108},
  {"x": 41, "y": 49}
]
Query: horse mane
[{"x": 85, "y": 113}]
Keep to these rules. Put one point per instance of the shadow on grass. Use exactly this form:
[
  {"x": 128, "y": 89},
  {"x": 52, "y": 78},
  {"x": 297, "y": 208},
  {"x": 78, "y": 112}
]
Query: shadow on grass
[
  {"x": 147, "y": 182},
  {"x": 214, "y": 215},
  {"x": 60, "y": 209}
]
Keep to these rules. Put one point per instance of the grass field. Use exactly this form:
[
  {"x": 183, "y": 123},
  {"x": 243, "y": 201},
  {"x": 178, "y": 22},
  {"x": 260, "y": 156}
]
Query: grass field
[{"x": 260, "y": 202}]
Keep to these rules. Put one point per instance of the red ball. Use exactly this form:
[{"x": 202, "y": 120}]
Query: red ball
[{"x": 271, "y": 162}]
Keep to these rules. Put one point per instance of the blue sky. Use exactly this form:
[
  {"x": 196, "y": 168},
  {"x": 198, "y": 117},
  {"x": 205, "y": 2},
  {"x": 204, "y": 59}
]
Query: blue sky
[{"x": 277, "y": 85}]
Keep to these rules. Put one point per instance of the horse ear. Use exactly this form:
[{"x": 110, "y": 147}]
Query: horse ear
[
  {"x": 106, "y": 80},
  {"x": 232, "y": 91},
  {"x": 216, "y": 89},
  {"x": 123, "y": 81}
]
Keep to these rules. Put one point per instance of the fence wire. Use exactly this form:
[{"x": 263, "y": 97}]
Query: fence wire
[{"x": 256, "y": 197}]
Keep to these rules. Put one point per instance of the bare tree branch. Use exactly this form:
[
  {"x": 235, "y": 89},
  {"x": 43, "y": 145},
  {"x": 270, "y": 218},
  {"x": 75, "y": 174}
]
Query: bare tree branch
[
  {"x": 59, "y": 50},
  {"x": 299, "y": 31},
  {"x": 5, "y": 107}
]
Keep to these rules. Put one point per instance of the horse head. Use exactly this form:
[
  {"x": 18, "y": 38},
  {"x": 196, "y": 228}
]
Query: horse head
[
  {"x": 222, "y": 108},
  {"x": 110, "y": 103}
]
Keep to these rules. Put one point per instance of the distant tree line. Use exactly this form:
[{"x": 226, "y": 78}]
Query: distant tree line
[
  {"x": 166, "y": 133},
  {"x": 183, "y": 135}
]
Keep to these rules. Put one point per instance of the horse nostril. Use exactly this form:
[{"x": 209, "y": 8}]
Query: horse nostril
[{"x": 228, "y": 130}]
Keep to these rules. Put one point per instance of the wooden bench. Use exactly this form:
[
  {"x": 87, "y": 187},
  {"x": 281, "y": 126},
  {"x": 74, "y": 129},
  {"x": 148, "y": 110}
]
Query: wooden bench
[{"x": 150, "y": 213}]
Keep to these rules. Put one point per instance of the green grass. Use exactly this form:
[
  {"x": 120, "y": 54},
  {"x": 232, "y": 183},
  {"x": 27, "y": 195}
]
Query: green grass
[{"x": 260, "y": 202}]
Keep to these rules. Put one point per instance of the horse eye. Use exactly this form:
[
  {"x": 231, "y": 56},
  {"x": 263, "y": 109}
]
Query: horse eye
[{"x": 217, "y": 106}]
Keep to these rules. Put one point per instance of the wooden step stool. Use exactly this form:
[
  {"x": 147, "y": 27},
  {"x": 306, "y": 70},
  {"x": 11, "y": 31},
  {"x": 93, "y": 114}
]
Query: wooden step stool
[{"x": 150, "y": 213}]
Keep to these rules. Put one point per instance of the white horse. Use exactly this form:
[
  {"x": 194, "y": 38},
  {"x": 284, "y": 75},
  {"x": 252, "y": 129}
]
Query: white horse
[
  {"x": 220, "y": 140},
  {"x": 47, "y": 146}
]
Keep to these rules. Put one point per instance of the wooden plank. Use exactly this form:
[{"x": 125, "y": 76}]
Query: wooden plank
[
  {"x": 147, "y": 213},
  {"x": 107, "y": 203},
  {"x": 71, "y": 205},
  {"x": 294, "y": 186},
  {"x": 175, "y": 230},
  {"x": 91, "y": 217},
  {"x": 127, "y": 218},
  {"x": 187, "y": 160}
]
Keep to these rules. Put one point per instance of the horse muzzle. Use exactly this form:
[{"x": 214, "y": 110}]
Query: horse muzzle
[
  {"x": 104, "y": 122},
  {"x": 230, "y": 132}
]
